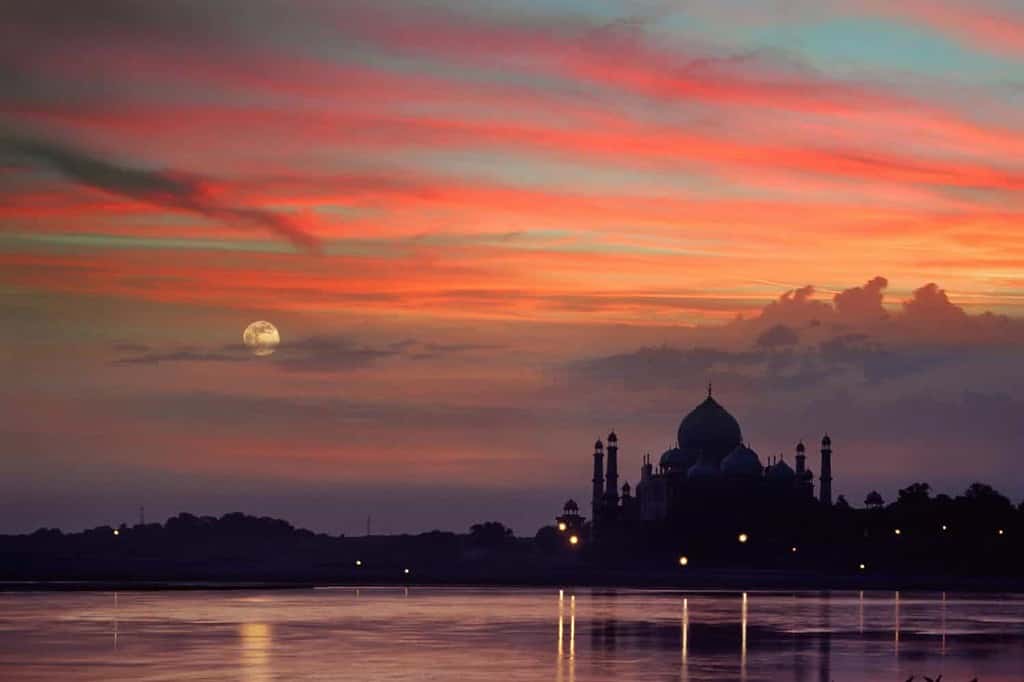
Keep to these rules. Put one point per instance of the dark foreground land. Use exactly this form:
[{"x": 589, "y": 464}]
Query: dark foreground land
[{"x": 970, "y": 543}]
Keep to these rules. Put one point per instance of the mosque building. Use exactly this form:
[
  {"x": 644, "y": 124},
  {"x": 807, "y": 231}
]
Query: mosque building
[{"x": 709, "y": 458}]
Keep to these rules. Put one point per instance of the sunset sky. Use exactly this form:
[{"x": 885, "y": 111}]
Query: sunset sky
[{"x": 489, "y": 232}]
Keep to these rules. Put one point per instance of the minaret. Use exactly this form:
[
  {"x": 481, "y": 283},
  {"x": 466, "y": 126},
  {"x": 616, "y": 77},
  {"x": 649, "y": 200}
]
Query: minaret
[
  {"x": 647, "y": 470},
  {"x": 804, "y": 476},
  {"x": 598, "y": 495},
  {"x": 826, "y": 471},
  {"x": 612, "y": 478}
]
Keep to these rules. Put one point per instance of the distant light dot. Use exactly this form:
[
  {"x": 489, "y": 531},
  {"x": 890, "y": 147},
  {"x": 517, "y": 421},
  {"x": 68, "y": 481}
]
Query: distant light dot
[
  {"x": 683, "y": 561},
  {"x": 862, "y": 566},
  {"x": 897, "y": 531},
  {"x": 117, "y": 532},
  {"x": 793, "y": 548},
  {"x": 359, "y": 562},
  {"x": 944, "y": 527},
  {"x": 574, "y": 540},
  {"x": 1001, "y": 531},
  {"x": 742, "y": 537},
  {"x": 562, "y": 526},
  {"x": 406, "y": 571}
]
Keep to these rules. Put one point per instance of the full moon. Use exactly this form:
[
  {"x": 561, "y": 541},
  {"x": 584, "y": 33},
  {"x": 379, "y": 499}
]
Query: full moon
[{"x": 261, "y": 338}]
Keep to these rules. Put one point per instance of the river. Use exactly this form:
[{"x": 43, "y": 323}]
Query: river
[{"x": 567, "y": 635}]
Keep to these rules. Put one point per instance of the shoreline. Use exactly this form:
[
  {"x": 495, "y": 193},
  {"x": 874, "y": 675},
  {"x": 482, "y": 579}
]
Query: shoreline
[{"x": 724, "y": 582}]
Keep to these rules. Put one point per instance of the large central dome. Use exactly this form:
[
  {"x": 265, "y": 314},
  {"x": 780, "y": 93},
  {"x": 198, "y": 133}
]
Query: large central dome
[{"x": 709, "y": 432}]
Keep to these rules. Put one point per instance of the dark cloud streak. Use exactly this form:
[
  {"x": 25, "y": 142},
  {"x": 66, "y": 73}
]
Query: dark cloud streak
[
  {"x": 165, "y": 189},
  {"x": 178, "y": 356},
  {"x": 322, "y": 353}
]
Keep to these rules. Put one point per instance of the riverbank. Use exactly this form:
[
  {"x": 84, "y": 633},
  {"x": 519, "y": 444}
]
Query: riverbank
[{"x": 710, "y": 580}]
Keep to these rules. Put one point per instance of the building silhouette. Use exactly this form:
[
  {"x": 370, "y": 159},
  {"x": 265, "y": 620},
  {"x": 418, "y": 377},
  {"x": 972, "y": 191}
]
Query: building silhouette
[{"x": 709, "y": 459}]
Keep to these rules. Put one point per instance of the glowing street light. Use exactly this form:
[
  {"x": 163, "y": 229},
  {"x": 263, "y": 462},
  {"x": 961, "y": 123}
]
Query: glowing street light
[
  {"x": 118, "y": 532},
  {"x": 359, "y": 562},
  {"x": 562, "y": 526},
  {"x": 1001, "y": 532},
  {"x": 406, "y": 571},
  {"x": 862, "y": 566},
  {"x": 945, "y": 527},
  {"x": 574, "y": 540},
  {"x": 742, "y": 537},
  {"x": 793, "y": 549},
  {"x": 683, "y": 561},
  {"x": 897, "y": 531}
]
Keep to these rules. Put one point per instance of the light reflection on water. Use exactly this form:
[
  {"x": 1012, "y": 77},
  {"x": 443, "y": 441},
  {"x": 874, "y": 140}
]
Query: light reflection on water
[
  {"x": 505, "y": 634},
  {"x": 256, "y": 642}
]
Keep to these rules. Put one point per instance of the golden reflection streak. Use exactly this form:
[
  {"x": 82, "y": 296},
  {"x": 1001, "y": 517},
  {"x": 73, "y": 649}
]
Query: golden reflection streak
[
  {"x": 743, "y": 637},
  {"x": 561, "y": 624},
  {"x": 255, "y": 659},
  {"x": 572, "y": 627},
  {"x": 685, "y": 625},
  {"x": 572, "y": 638},
  {"x": 115, "y": 620}
]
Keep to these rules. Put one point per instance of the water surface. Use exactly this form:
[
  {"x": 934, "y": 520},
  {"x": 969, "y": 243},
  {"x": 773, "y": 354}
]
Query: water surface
[{"x": 509, "y": 634}]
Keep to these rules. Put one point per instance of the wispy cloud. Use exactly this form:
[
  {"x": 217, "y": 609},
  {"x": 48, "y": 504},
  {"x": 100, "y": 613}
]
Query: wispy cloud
[{"x": 167, "y": 189}]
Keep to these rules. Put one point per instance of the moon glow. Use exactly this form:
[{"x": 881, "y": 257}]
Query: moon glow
[{"x": 261, "y": 337}]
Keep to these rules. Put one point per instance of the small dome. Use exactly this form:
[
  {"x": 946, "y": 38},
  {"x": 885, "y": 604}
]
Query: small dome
[
  {"x": 703, "y": 471},
  {"x": 800, "y": 447},
  {"x": 612, "y": 438},
  {"x": 742, "y": 462},
  {"x": 571, "y": 506},
  {"x": 675, "y": 460},
  {"x": 780, "y": 472},
  {"x": 625, "y": 488},
  {"x": 599, "y": 445},
  {"x": 826, "y": 441},
  {"x": 709, "y": 430}
]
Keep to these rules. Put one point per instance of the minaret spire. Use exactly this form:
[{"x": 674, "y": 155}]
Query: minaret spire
[
  {"x": 825, "y": 491},
  {"x": 612, "y": 475}
]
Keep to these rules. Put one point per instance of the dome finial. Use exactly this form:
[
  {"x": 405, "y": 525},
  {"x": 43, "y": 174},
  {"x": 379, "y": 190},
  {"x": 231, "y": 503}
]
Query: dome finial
[{"x": 709, "y": 389}]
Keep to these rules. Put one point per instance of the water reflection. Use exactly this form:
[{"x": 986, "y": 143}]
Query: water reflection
[
  {"x": 743, "y": 637},
  {"x": 896, "y": 625},
  {"x": 255, "y": 654},
  {"x": 564, "y": 663},
  {"x": 685, "y": 627},
  {"x": 115, "y": 621},
  {"x": 825, "y": 637},
  {"x": 572, "y": 627},
  {"x": 386, "y": 634},
  {"x": 561, "y": 624},
  {"x": 943, "y": 625},
  {"x": 860, "y": 612}
]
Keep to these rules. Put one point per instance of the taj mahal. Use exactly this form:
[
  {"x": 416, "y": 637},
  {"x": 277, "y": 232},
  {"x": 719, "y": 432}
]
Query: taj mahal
[{"x": 710, "y": 460}]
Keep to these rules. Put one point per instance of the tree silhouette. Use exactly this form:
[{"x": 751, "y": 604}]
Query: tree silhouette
[
  {"x": 914, "y": 494},
  {"x": 987, "y": 496},
  {"x": 489, "y": 534}
]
